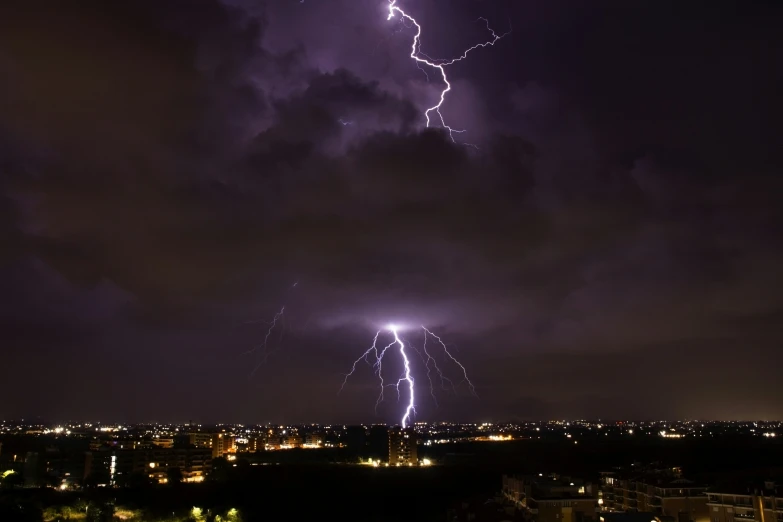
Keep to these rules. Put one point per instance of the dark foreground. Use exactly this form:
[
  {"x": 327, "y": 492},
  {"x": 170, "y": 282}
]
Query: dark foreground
[{"x": 311, "y": 491}]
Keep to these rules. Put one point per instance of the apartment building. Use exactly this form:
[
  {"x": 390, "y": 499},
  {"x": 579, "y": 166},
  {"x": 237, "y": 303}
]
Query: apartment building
[
  {"x": 112, "y": 467},
  {"x": 402, "y": 447},
  {"x": 551, "y": 498},
  {"x": 761, "y": 504},
  {"x": 660, "y": 492}
]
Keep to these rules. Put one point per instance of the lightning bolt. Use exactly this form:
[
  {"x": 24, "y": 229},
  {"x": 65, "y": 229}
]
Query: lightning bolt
[
  {"x": 262, "y": 348},
  {"x": 443, "y": 378},
  {"x": 374, "y": 356},
  {"x": 377, "y": 366},
  {"x": 264, "y": 353},
  {"x": 439, "y": 64},
  {"x": 448, "y": 354},
  {"x": 407, "y": 377}
]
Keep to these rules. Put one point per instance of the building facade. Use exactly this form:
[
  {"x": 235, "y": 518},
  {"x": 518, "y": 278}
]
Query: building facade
[
  {"x": 110, "y": 467},
  {"x": 402, "y": 447},
  {"x": 662, "y": 493},
  {"x": 222, "y": 444},
  {"x": 551, "y": 498},
  {"x": 758, "y": 505},
  {"x": 200, "y": 439}
]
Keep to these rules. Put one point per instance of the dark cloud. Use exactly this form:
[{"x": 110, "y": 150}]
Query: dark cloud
[{"x": 171, "y": 171}]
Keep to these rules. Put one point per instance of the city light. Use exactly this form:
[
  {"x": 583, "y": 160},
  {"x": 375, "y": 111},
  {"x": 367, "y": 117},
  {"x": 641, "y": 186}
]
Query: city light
[{"x": 501, "y": 437}]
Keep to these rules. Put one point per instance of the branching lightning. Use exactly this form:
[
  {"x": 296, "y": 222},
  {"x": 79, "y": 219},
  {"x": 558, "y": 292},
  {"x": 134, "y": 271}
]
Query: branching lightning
[
  {"x": 262, "y": 350},
  {"x": 374, "y": 356},
  {"x": 448, "y": 353},
  {"x": 440, "y": 64}
]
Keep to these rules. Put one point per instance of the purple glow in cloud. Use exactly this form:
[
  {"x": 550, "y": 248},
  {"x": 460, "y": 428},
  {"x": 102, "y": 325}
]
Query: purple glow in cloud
[{"x": 439, "y": 64}]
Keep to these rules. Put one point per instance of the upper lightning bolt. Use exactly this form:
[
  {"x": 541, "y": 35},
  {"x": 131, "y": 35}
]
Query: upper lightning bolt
[{"x": 439, "y": 64}]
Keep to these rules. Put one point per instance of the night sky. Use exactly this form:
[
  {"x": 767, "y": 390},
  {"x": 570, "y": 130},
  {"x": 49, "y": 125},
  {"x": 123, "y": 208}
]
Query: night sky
[{"x": 173, "y": 172}]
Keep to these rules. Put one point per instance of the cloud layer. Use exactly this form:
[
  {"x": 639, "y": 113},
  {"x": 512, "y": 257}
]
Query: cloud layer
[{"x": 170, "y": 172}]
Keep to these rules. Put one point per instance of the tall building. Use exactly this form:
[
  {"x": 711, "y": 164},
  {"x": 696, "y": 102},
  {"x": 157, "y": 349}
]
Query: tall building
[
  {"x": 356, "y": 439},
  {"x": 34, "y": 469},
  {"x": 378, "y": 441},
  {"x": 402, "y": 447},
  {"x": 101, "y": 466},
  {"x": 222, "y": 444}
]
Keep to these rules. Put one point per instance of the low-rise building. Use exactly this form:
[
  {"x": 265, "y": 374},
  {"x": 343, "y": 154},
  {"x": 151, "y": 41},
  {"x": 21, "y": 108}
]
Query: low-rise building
[
  {"x": 761, "y": 504},
  {"x": 662, "y": 492},
  {"x": 110, "y": 467},
  {"x": 551, "y": 498},
  {"x": 200, "y": 439}
]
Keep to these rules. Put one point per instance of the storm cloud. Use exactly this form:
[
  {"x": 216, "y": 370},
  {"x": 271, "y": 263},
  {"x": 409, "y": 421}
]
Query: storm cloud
[{"x": 171, "y": 169}]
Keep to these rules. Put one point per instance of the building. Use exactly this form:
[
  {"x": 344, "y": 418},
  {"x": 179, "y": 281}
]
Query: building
[
  {"x": 163, "y": 442},
  {"x": 200, "y": 439},
  {"x": 290, "y": 441},
  {"x": 222, "y": 444},
  {"x": 378, "y": 441},
  {"x": 402, "y": 447},
  {"x": 109, "y": 467},
  {"x": 249, "y": 444},
  {"x": 193, "y": 463},
  {"x": 631, "y": 516},
  {"x": 273, "y": 442},
  {"x": 762, "y": 504},
  {"x": 34, "y": 469},
  {"x": 100, "y": 467},
  {"x": 551, "y": 498},
  {"x": 356, "y": 440},
  {"x": 314, "y": 440},
  {"x": 480, "y": 508},
  {"x": 661, "y": 492}
]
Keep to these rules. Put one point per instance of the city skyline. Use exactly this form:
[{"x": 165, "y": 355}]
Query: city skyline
[{"x": 207, "y": 213}]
